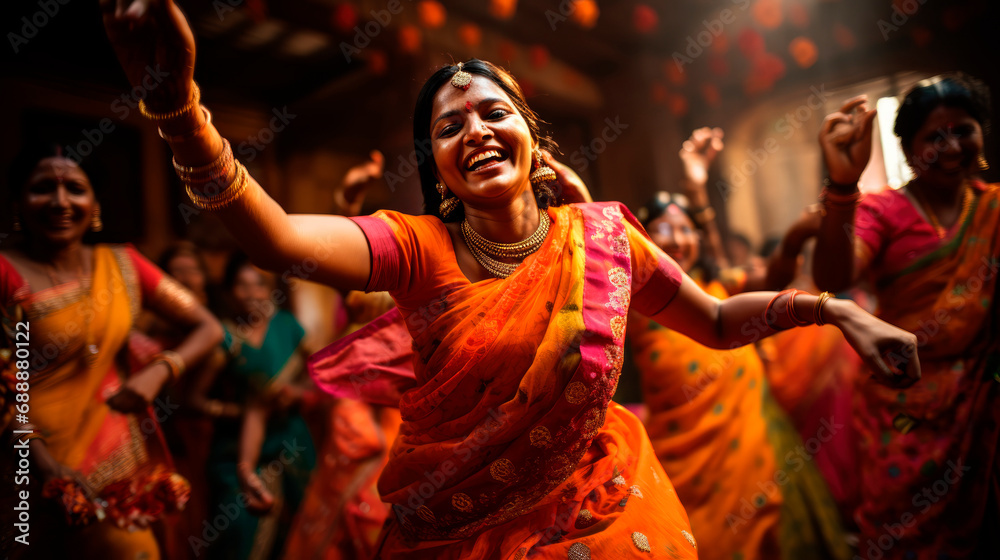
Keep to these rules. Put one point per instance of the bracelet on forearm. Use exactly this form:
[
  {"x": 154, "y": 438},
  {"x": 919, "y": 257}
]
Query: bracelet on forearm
[
  {"x": 840, "y": 187},
  {"x": 818, "y": 308},
  {"x": 790, "y": 309},
  {"x": 173, "y": 361},
  {"x": 220, "y": 168},
  {"x": 191, "y": 133},
  {"x": 228, "y": 195},
  {"x": 188, "y": 107},
  {"x": 836, "y": 201}
]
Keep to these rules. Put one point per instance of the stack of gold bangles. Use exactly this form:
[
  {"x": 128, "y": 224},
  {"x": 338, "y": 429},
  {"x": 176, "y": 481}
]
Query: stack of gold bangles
[{"x": 221, "y": 182}]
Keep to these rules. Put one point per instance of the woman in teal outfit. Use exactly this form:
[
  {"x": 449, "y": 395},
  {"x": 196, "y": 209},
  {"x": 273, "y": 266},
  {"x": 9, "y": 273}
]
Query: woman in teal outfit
[{"x": 261, "y": 459}]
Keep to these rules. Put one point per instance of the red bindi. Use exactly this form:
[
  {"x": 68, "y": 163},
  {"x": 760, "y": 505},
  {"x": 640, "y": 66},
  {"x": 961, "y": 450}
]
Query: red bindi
[{"x": 468, "y": 106}]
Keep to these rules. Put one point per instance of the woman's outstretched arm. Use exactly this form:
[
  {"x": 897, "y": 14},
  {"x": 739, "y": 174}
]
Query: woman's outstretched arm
[
  {"x": 152, "y": 39},
  {"x": 743, "y": 319}
]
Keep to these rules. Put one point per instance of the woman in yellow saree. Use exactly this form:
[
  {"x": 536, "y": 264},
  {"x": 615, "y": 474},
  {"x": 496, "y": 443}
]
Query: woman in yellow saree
[
  {"x": 99, "y": 470},
  {"x": 510, "y": 447}
]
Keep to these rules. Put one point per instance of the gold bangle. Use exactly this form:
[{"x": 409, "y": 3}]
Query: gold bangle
[
  {"x": 227, "y": 196},
  {"x": 175, "y": 361},
  {"x": 818, "y": 308},
  {"x": 191, "y": 133},
  {"x": 191, "y": 104},
  {"x": 220, "y": 167}
]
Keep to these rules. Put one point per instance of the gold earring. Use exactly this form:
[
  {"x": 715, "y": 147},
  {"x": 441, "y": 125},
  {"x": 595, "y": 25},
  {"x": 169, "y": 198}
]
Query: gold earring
[
  {"x": 16, "y": 226},
  {"x": 543, "y": 173},
  {"x": 95, "y": 221},
  {"x": 447, "y": 204},
  {"x": 983, "y": 164}
]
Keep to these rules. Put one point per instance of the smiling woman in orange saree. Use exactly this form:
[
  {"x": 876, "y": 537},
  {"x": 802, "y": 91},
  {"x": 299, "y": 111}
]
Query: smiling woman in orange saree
[{"x": 509, "y": 447}]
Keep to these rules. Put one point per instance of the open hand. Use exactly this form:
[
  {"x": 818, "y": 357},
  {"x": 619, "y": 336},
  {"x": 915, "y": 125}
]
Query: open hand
[
  {"x": 155, "y": 47},
  {"x": 259, "y": 500},
  {"x": 846, "y": 140},
  {"x": 889, "y": 352}
]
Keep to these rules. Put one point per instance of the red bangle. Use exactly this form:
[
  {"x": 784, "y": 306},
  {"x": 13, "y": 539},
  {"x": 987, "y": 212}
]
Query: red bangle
[
  {"x": 790, "y": 309},
  {"x": 768, "y": 309}
]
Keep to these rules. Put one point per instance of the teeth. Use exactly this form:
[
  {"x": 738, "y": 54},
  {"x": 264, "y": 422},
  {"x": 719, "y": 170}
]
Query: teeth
[{"x": 482, "y": 156}]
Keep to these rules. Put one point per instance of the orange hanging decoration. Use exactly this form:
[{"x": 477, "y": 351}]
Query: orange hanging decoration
[
  {"x": 767, "y": 13},
  {"x": 503, "y": 9},
  {"x": 584, "y": 13},
  {"x": 803, "y": 51},
  {"x": 470, "y": 35},
  {"x": 344, "y": 17},
  {"x": 409, "y": 38},
  {"x": 432, "y": 14},
  {"x": 644, "y": 18}
]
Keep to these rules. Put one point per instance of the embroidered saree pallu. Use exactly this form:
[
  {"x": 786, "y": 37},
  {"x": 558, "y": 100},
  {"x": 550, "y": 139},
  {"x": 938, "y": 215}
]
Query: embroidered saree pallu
[{"x": 510, "y": 446}]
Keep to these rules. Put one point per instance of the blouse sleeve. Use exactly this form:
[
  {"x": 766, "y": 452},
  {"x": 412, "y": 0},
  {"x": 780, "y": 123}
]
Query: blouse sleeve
[
  {"x": 871, "y": 227},
  {"x": 406, "y": 251},
  {"x": 149, "y": 274},
  {"x": 10, "y": 283},
  {"x": 656, "y": 278}
]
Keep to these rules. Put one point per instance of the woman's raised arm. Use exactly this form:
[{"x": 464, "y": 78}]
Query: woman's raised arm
[{"x": 154, "y": 36}]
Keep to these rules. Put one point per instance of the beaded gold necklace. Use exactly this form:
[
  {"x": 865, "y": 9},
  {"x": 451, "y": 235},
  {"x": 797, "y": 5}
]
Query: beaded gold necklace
[{"x": 487, "y": 253}]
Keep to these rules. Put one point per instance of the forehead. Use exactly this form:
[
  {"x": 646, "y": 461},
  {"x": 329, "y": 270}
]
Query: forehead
[
  {"x": 673, "y": 215},
  {"x": 942, "y": 115},
  {"x": 58, "y": 167},
  {"x": 449, "y": 97}
]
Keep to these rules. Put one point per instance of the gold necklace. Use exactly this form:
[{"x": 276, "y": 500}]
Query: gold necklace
[
  {"x": 932, "y": 217},
  {"x": 488, "y": 252}
]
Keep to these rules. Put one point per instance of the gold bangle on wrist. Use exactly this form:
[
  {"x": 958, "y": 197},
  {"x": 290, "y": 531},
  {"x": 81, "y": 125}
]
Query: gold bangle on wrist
[
  {"x": 219, "y": 168},
  {"x": 818, "y": 308},
  {"x": 228, "y": 195},
  {"x": 188, "y": 107},
  {"x": 191, "y": 133}
]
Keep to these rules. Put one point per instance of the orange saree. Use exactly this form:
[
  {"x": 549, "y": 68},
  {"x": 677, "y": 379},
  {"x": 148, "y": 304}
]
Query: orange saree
[
  {"x": 510, "y": 446},
  {"x": 930, "y": 475},
  {"x": 745, "y": 477}
]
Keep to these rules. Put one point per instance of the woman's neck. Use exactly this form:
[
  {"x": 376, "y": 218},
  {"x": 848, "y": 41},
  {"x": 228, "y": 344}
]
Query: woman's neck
[
  {"x": 510, "y": 224},
  {"x": 69, "y": 259},
  {"x": 938, "y": 197}
]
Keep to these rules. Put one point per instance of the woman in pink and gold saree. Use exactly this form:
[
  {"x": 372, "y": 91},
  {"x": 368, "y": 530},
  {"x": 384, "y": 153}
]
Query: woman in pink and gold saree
[
  {"x": 931, "y": 250},
  {"x": 507, "y": 343}
]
